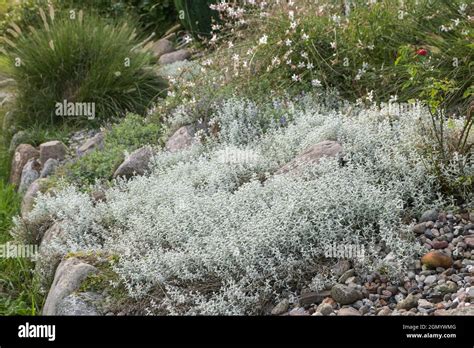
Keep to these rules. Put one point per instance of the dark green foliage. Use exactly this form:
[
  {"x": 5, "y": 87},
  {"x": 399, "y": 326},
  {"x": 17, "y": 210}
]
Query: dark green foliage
[{"x": 196, "y": 16}]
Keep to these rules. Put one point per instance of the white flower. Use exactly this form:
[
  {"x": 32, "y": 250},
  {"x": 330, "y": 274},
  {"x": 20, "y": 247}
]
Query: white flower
[
  {"x": 288, "y": 42},
  {"x": 263, "y": 40},
  {"x": 333, "y": 45},
  {"x": 295, "y": 77},
  {"x": 188, "y": 39},
  {"x": 305, "y": 36},
  {"x": 316, "y": 83},
  {"x": 310, "y": 66}
]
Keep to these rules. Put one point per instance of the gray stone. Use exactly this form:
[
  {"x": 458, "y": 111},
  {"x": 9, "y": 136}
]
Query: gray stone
[
  {"x": 422, "y": 303},
  {"x": 68, "y": 278},
  {"x": 49, "y": 167},
  {"x": 281, "y": 307},
  {"x": 181, "y": 139},
  {"x": 28, "y": 201},
  {"x": 52, "y": 149},
  {"x": 49, "y": 257},
  {"x": 30, "y": 172},
  {"x": 345, "y": 294},
  {"x": 79, "y": 304},
  {"x": 409, "y": 302},
  {"x": 311, "y": 156},
  {"x": 419, "y": 228},
  {"x": 324, "y": 309},
  {"x": 431, "y": 279},
  {"x": 340, "y": 267},
  {"x": 136, "y": 163},
  {"x": 348, "y": 311},
  {"x": 446, "y": 288},
  {"x": 429, "y": 215},
  {"x": 348, "y": 274},
  {"x": 23, "y": 153},
  {"x": 161, "y": 47},
  {"x": 96, "y": 142},
  {"x": 175, "y": 56},
  {"x": 311, "y": 297}
]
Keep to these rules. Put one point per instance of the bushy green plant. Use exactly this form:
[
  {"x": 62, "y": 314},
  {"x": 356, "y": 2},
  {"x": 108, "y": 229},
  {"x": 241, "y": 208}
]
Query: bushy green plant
[
  {"x": 392, "y": 48},
  {"x": 127, "y": 135},
  {"x": 81, "y": 59}
]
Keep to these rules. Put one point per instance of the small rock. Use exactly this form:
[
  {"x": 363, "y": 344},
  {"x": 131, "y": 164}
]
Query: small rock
[
  {"x": 299, "y": 311},
  {"x": 96, "y": 142},
  {"x": 446, "y": 288},
  {"x": 347, "y": 275},
  {"x": 30, "y": 172},
  {"x": 311, "y": 156},
  {"x": 348, "y": 311},
  {"x": 384, "y": 311},
  {"x": 469, "y": 242},
  {"x": 439, "y": 244},
  {"x": 341, "y": 267},
  {"x": 161, "y": 47},
  {"x": 419, "y": 228},
  {"x": 312, "y": 297},
  {"x": 181, "y": 139},
  {"x": 52, "y": 149},
  {"x": 422, "y": 303},
  {"x": 409, "y": 302},
  {"x": 27, "y": 204},
  {"x": 324, "y": 309},
  {"x": 136, "y": 163},
  {"x": 175, "y": 56},
  {"x": 49, "y": 167},
  {"x": 344, "y": 294},
  {"x": 435, "y": 259},
  {"x": 281, "y": 307},
  {"x": 429, "y": 215}
]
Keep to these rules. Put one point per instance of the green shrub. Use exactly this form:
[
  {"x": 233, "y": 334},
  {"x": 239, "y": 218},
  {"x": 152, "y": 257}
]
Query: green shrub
[
  {"x": 196, "y": 16},
  {"x": 133, "y": 132},
  {"x": 80, "y": 60},
  {"x": 375, "y": 48}
]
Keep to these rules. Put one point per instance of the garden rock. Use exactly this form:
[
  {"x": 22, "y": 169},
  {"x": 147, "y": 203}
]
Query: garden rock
[
  {"x": 136, "y": 163},
  {"x": 409, "y": 302},
  {"x": 436, "y": 259},
  {"x": 348, "y": 311},
  {"x": 68, "y": 278},
  {"x": 96, "y": 142},
  {"x": 49, "y": 167},
  {"x": 49, "y": 257},
  {"x": 52, "y": 149},
  {"x": 161, "y": 47},
  {"x": 28, "y": 201},
  {"x": 345, "y": 295},
  {"x": 78, "y": 304},
  {"x": 281, "y": 307},
  {"x": 313, "y": 297},
  {"x": 181, "y": 139},
  {"x": 429, "y": 215},
  {"x": 23, "y": 153},
  {"x": 312, "y": 156},
  {"x": 30, "y": 172},
  {"x": 173, "y": 57}
]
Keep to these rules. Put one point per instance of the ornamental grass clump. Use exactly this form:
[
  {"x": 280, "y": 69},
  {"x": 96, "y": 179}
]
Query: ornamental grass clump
[{"x": 79, "y": 59}]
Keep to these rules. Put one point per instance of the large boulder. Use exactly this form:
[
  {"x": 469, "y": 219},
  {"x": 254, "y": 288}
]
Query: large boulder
[
  {"x": 23, "y": 153},
  {"x": 30, "y": 172},
  {"x": 28, "y": 202},
  {"x": 52, "y": 149},
  {"x": 161, "y": 47},
  {"x": 311, "y": 156},
  {"x": 96, "y": 142},
  {"x": 68, "y": 278},
  {"x": 136, "y": 163},
  {"x": 181, "y": 139},
  {"x": 79, "y": 304},
  {"x": 175, "y": 56}
]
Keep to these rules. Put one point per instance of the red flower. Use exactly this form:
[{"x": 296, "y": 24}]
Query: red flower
[{"x": 422, "y": 52}]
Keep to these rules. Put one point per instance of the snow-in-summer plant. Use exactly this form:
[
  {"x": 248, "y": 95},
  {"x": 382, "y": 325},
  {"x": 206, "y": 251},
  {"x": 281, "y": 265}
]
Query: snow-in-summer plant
[{"x": 206, "y": 235}]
